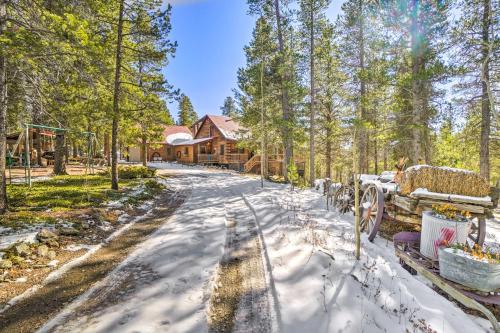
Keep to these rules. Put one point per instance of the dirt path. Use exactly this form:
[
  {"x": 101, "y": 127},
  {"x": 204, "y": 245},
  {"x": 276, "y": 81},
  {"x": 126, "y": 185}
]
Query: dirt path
[
  {"x": 240, "y": 301},
  {"x": 29, "y": 314}
]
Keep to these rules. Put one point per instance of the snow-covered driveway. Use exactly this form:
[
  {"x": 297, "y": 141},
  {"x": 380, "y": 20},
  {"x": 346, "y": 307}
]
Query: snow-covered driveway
[
  {"x": 164, "y": 284},
  {"x": 314, "y": 282}
]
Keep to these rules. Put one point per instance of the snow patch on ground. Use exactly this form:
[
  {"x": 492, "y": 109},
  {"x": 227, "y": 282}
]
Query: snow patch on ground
[
  {"x": 33, "y": 179},
  {"x": 67, "y": 266},
  {"x": 319, "y": 294},
  {"x": 182, "y": 255},
  {"x": 9, "y": 236},
  {"x": 317, "y": 284},
  {"x": 78, "y": 247}
]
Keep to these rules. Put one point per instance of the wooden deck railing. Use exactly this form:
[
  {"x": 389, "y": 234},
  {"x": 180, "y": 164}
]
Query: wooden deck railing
[
  {"x": 208, "y": 158},
  {"x": 234, "y": 158},
  {"x": 227, "y": 158},
  {"x": 274, "y": 162}
]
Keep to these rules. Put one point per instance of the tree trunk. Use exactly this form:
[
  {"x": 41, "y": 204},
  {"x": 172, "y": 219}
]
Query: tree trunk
[
  {"x": 312, "y": 116},
  {"x": 375, "y": 155},
  {"x": 59, "y": 152},
  {"x": 328, "y": 142},
  {"x": 3, "y": 110},
  {"x": 285, "y": 77},
  {"x": 357, "y": 217},
  {"x": 75, "y": 150},
  {"x": 116, "y": 100},
  {"x": 35, "y": 136},
  {"x": 107, "y": 156},
  {"x": 328, "y": 153},
  {"x": 362, "y": 137},
  {"x": 366, "y": 167},
  {"x": 66, "y": 152},
  {"x": 38, "y": 147},
  {"x": 263, "y": 140},
  {"x": 416, "y": 152},
  {"x": 484, "y": 158},
  {"x": 144, "y": 151}
]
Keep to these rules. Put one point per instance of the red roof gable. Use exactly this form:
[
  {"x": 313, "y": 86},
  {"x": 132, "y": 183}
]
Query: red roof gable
[
  {"x": 174, "y": 129},
  {"x": 228, "y": 127}
]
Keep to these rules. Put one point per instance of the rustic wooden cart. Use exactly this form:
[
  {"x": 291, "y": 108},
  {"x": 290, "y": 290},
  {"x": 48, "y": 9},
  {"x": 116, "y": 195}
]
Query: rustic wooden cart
[{"x": 381, "y": 201}]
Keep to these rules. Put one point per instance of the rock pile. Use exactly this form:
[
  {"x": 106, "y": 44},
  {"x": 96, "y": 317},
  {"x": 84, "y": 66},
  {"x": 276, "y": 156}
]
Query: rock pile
[{"x": 24, "y": 254}]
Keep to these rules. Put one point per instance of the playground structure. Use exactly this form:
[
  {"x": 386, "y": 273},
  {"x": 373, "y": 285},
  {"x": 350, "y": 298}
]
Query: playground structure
[{"x": 22, "y": 158}]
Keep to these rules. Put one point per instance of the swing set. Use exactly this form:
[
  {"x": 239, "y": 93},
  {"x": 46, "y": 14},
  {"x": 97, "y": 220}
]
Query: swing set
[{"x": 26, "y": 156}]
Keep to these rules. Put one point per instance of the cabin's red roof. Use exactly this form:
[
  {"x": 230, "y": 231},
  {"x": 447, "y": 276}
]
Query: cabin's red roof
[
  {"x": 174, "y": 129},
  {"x": 226, "y": 125}
]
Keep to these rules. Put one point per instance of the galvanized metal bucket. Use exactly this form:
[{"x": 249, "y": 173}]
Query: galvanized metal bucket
[
  {"x": 431, "y": 230},
  {"x": 472, "y": 273}
]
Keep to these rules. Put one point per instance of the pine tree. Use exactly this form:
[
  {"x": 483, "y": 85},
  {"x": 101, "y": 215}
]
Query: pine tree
[
  {"x": 277, "y": 12},
  {"x": 186, "y": 116},
  {"x": 312, "y": 19},
  {"x": 330, "y": 97},
  {"x": 229, "y": 108},
  {"x": 63, "y": 64},
  {"x": 420, "y": 68},
  {"x": 473, "y": 43},
  {"x": 3, "y": 109},
  {"x": 259, "y": 92},
  {"x": 116, "y": 97}
]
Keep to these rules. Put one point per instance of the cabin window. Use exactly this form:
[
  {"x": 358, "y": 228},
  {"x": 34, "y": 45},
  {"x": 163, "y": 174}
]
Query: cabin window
[
  {"x": 186, "y": 151},
  {"x": 169, "y": 151},
  {"x": 222, "y": 149},
  {"x": 203, "y": 150},
  {"x": 210, "y": 131}
]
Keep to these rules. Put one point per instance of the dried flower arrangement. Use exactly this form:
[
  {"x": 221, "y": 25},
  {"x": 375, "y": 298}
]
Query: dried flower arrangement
[
  {"x": 476, "y": 252},
  {"x": 450, "y": 212}
]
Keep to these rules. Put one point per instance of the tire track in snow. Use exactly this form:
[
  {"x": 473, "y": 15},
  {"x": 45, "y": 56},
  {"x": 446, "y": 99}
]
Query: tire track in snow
[
  {"x": 256, "y": 309},
  {"x": 253, "y": 313},
  {"x": 275, "y": 313}
]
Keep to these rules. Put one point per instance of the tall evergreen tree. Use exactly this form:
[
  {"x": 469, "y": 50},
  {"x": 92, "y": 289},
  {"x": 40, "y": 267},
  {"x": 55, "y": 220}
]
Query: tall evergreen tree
[
  {"x": 312, "y": 19},
  {"x": 419, "y": 26},
  {"x": 61, "y": 60},
  {"x": 473, "y": 42},
  {"x": 276, "y": 11},
  {"x": 229, "y": 108},
  {"x": 259, "y": 92},
  {"x": 186, "y": 116},
  {"x": 330, "y": 97}
]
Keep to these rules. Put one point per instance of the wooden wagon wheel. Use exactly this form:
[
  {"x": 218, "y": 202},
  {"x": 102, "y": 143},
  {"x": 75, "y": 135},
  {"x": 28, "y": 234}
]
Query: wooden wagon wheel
[
  {"x": 371, "y": 210},
  {"x": 477, "y": 232},
  {"x": 344, "y": 199}
]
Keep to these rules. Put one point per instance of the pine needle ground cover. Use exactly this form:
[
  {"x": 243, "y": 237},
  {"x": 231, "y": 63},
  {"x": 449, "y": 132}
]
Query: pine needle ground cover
[
  {"x": 47, "y": 201},
  {"x": 444, "y": 180}
]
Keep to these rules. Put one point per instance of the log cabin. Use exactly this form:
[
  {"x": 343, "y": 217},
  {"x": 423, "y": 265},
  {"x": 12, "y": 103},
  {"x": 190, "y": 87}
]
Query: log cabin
[{"x": 214, "y": 142}]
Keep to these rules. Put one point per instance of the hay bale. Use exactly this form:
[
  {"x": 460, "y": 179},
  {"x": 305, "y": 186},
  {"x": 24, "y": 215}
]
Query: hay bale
[{"x": 444, "y": 180}]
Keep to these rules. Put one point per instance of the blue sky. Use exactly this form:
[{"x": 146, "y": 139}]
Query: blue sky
[{"x": 211, "y": 35}]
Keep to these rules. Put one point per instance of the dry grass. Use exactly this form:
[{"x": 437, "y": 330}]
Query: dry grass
[
  {"x": 227, "y": 292},
  {"x": 389, "y": 228},
  {"x": 444, "y": 180}
]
